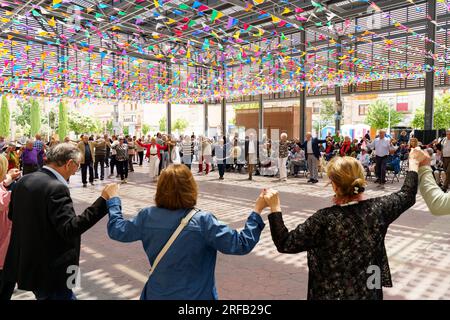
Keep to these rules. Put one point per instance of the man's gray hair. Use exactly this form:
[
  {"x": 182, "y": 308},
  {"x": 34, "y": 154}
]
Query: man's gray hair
[{"x": 62, "y": 153}]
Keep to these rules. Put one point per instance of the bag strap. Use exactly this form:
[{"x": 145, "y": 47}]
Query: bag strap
[{"x": 172, "y": 238}]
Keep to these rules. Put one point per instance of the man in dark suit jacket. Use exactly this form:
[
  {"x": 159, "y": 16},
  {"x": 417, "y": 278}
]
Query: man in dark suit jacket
[
  {"x": 312, "y": 153},
  {"x": 44, "y": 250}
]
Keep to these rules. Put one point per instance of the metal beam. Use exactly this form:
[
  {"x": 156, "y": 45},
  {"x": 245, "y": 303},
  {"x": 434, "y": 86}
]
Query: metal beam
[
  {"x": 430, "y": 76},
  {"x": 223, "y": 113},
  {"x": 294, "y": 22},
  {"x": 338, "y": 90},
  {"x": 169, "y": 105},
  {"x": 205, "y": 117},
  {"x": 261, "y": 117},
  {"x": 302, "y": 105}
]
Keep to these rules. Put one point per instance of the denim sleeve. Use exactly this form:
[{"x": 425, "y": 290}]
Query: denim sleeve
[
  {"x": 119, "y": 228},
  {"x": 228, "y": 241}
]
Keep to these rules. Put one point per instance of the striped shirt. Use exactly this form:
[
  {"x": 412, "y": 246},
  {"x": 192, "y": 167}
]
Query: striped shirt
[{"x": 186, "y": 148}]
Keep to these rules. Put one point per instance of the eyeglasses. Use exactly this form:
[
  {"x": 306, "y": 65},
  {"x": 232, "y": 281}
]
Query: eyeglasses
[{"x": 76, "y": 163}]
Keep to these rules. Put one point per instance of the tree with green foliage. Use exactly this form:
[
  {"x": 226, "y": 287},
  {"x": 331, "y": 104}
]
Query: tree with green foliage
[
  {"x": 378, "y": 115},
  {"x": 326, "y": 115},
  {"x": 63, "y": 122},
  {"x": 52, "y": 116},
  {"x": 126, "y": 130},
  {"x": 22, "y": 116},
  {"x": 4, "y": 118},
  {"x": 35, "y": 117},
  {"x": 109, "y": 127},
  {"x": 441, "y": 117},
  {"x": 145, "y": 129},
  {"x": 82, "y": 124},
  {"x": 163, "y": 124},
  {"x": 180, "y": 125}
]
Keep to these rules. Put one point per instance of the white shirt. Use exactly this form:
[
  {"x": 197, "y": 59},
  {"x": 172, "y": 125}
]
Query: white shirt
[
  {"x": 153, "y": 150},
  {"x": 446, "y": 148},
  {"x": 381, "y": 146},
  {"x": 309, "y": 148},
  {"x": 58, "y": 175},
  {"x": 207, "y": 151},
  {"x": 113, "y": 151},
  {"x": 251, "y": 146},
  {"x": 364, "y": 159}
]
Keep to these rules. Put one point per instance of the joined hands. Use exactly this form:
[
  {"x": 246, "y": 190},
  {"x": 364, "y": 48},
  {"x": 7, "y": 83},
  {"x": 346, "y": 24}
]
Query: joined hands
[{"x": 268, "y": 198}]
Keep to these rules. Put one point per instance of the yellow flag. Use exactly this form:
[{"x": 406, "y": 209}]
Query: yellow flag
[
  {"x": 286, "y": 11},
  {"x": 275, "y": 19},
  {"x": 156, "y": 2},
  {"x": 258, "y": 1},
  {"x": 52, "y": 22}
]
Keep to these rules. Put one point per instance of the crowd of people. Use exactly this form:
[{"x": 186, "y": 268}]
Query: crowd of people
[
  {"x": 40, "y": 238},
  {"x": 281, "y": 157}
]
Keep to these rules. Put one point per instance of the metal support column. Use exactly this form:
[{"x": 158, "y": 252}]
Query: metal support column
[
  {"x": 223, "y": 112},
  {"x": 261, "y": 118},
  {"x": 429, "y": 78},
  {"x": 205, "y": 106},
  {"x": 338, "y": 89},
  {"x": 302, "y": 113},
  {"x": 169, "y": 105}
]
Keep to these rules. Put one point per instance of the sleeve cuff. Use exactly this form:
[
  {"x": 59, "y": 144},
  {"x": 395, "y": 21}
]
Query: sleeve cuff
[
  {"x": 113, "y": 202},
  {"x": 257, "y": 218}
]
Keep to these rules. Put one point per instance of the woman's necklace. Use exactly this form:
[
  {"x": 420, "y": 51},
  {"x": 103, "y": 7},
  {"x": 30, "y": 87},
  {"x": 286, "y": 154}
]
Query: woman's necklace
[{"x": 349, "y": 203}]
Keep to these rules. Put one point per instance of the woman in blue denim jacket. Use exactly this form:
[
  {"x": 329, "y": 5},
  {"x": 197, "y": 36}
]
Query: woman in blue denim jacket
[{"x": 186, "y": 271}]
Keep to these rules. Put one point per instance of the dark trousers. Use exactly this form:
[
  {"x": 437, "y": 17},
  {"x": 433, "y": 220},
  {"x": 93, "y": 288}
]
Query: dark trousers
[
  {"x": 107, "y": 156},
  {"x": 130, "y": 162},
  {"x": 250, "y": 170},
  {"x": 99, "y": 160},
  {"x": 221, "y": 167},
  {"x": 446, "y": 165},
  {"x": 161, "y": 163},
  {"x": 29, "y": 168},
  {"x": 65, "y": 294},
  {"x": 6, "y": 288},
  {"x": 84, "y": 169},
  {"x": 122, "y": 169},
  {"x": 112, "y": 163},
  {"x": 380, "y": 168},
  {"x": 141, "y": 157}
]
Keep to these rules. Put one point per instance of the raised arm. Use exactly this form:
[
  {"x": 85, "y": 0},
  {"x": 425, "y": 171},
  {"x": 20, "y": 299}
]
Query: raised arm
[
  {"x": 306, "y": 236},
  {"x": 120, "y": 229},
  {"x": 437, "y": 201},
  {"x": 144, "y": 145},
  {"x": 162, "y": 147},
  {"x": 393, "y": 205},
  {"x": 62, "y": 214},
  {"x": 228, "y": 241}
]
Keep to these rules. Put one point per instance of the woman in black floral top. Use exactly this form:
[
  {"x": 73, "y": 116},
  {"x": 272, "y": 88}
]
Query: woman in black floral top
[{"x": 345, "y": 242}]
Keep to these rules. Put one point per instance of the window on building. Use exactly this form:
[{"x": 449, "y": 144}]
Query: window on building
[
  {"x": 402, "y": 104},
  {"x": 316, "y": 107},
  {"x": 363, "y": 109}
]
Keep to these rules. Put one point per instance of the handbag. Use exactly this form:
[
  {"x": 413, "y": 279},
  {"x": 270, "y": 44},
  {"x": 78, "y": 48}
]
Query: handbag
[{"x": 184, "y": 222}]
